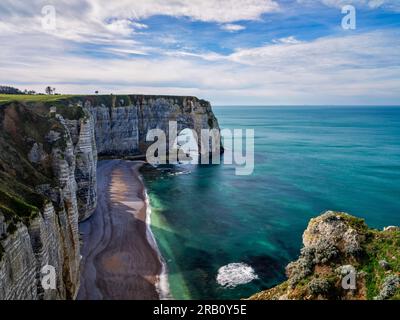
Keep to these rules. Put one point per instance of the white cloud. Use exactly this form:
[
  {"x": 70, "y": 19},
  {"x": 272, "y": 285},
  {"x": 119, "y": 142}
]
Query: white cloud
[
  {"x": 122, "y": 27},
  {"x": 124, "y": 52},
  {"x": 222, "y": 11},
  {"x": 232, "y": 27},
  {"x": 375, "y": 3},
  {"x": 371, "y": 4},
  {"x": 359, "y": 68},
  {"x": 73, "y": 22},
  {"x": 107, "y": 22},
  {"x": 354, "y": 51},
  {"x": 287, "y": 40}
]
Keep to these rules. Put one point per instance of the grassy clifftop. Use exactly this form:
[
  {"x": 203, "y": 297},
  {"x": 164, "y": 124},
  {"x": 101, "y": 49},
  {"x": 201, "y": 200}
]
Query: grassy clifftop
[
  {"x": 112, "y": 100},
  {"x": 7, "y": 98},
  {"x": 338, "y": 248}
]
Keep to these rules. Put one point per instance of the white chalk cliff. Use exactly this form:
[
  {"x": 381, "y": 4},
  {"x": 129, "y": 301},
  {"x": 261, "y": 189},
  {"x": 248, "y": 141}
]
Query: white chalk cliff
[{"x": 48, "y": 159}]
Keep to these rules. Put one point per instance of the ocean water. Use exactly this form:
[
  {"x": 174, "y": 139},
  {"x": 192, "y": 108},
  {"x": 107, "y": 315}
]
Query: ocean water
[{"x": 307, "y": 160}]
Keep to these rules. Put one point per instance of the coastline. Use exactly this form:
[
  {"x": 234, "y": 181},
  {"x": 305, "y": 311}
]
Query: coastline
[
  {"x": 120, "y": 257},
  {"x": 162, "y": 285}
]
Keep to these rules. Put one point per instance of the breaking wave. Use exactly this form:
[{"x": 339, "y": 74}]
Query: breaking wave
[{"x": 234, "y": 274}]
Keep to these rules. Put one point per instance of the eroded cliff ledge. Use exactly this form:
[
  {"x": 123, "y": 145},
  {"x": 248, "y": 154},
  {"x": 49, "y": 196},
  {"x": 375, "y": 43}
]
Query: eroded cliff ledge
[
  {"x": 337, "y": 249},
  {"x": 48, "y": 156}
]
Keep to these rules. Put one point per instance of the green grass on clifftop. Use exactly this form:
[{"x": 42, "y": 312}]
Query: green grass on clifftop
[
  {"x": 7, "y": 98},
  {"x": 106, "y": 99},
  {"x": 381, "y": 246}
]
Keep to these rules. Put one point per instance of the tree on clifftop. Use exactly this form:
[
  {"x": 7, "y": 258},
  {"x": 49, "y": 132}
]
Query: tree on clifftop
[
  {"x": 50, "y": 90},
  {"x": 9, "y": 90}
]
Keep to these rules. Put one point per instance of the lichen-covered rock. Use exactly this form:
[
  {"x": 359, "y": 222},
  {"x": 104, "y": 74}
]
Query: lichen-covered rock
[
  {"x": 326, "y": 237},
  {"x": 342, "y": 259},
  {"x": 390, "y": 286},
  {"x": 300, "y": 269},
  {"x": 345, "y": 270},
  {"x": 330, "y": 233},
  {"x": 384, "y": 264},
  {"x": 319, "y": 286}
]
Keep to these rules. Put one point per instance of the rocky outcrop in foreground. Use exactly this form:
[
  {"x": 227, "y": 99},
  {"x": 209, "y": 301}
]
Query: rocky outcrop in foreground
[
  {"x": 48, "y": 157},
  {"x": 342, "y": 259}
]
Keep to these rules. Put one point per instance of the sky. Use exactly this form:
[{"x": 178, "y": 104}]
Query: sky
[{"x": 230, "y": 52}]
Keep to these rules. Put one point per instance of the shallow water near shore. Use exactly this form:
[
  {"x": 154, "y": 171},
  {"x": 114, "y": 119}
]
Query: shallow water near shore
[{"x": 307, "y": 160}]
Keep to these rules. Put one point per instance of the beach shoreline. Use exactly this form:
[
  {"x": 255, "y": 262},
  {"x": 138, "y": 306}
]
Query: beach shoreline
[
  {"x": 120, "y": 257},
  {"x": 162, "y": 285}
]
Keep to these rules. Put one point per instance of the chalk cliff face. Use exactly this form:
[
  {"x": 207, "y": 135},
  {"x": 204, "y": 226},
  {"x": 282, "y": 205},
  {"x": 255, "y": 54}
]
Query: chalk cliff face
[
  {"x": 39, "y": 204},
  {"x": 48, "y": 158},
  {"x": 122, "y": 126}
]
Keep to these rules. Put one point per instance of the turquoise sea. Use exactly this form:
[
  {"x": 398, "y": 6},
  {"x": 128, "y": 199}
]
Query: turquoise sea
[{"x": 307, "y": 160}]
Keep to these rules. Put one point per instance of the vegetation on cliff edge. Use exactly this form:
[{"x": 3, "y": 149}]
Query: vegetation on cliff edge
[{"x": 335, "y": 245}]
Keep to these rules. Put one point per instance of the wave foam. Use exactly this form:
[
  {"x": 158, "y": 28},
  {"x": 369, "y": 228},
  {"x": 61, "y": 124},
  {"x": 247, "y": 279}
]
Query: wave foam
[
  {"x": 162, "y": 285},
  {"x": 234, "y": 274}
]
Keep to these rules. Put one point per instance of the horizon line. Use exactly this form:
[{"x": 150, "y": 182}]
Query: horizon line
[{"x": 306, "y": 105}]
